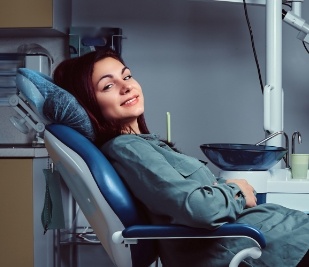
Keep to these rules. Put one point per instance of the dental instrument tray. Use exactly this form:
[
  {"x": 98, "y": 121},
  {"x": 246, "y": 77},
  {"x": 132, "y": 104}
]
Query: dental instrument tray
[{"x": 243, "y": 157}]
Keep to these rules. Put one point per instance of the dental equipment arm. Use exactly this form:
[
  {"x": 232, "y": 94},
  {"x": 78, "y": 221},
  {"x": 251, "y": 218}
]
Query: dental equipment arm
[
  {"x": 27, "y": 115},
  {"x": 298, "y": 23}
]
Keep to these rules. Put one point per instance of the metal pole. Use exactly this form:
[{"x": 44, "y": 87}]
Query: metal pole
[{"x": 273, "y": 110}]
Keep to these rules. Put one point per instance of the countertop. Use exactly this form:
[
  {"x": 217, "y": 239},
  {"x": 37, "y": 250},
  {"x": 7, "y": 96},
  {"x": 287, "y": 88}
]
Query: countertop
[{"x": 22, "y": 151}]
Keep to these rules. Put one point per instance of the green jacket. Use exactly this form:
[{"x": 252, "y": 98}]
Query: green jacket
[{"x": 179, "y": 189}]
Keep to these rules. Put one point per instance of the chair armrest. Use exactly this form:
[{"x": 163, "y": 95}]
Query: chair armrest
[{"x": 133, "y": 233}]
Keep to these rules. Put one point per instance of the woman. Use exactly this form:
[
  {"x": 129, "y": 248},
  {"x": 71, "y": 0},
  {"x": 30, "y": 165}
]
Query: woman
[{"x": 175, "y": 188}]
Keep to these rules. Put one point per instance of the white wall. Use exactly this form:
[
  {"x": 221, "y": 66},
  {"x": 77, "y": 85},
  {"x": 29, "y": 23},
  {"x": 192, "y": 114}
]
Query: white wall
[{"x": 195, "y": 60}]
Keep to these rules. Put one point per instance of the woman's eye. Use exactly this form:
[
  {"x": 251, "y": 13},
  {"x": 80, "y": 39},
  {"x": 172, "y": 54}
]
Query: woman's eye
[
  {"x": 107, "y": 87},
  {"x": 128, "y": 77}
]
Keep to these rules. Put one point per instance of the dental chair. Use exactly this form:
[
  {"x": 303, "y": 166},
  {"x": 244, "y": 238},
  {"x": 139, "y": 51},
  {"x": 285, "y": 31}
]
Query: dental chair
[{"x": 114, "y": 214}]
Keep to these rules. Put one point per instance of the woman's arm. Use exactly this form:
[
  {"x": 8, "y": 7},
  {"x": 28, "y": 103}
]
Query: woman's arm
[
  {"x": 165, "y": 192},
  {"x": 247, "y": 191}
]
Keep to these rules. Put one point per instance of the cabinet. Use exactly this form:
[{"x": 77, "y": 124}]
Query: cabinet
[
  {"x": 16, "y": 205},
  {"x": 22, "y": 188},
  {"x": 35, "y": 17}
]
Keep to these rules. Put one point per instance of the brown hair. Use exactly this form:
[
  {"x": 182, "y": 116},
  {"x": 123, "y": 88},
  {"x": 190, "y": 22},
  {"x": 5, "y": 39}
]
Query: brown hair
[{"x": 75, "y": 76}]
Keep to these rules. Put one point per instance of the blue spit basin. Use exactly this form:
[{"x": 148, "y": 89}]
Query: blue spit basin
[{"x": 243, "y": 157}]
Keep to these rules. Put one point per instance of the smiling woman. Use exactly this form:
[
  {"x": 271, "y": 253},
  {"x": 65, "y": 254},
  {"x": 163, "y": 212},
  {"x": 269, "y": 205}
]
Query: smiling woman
[
  {"x": 119, "y": 96},
  {"x": 175, "y": 188},
  {"x": 104, "y": 86}
]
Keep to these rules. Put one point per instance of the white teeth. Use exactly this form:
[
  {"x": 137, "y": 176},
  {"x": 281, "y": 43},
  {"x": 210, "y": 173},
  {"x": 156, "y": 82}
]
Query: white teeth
[{"x": 130, "y": 101}]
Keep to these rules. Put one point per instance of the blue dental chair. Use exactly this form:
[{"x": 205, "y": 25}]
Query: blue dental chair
[{"x": 113, "y": 213}]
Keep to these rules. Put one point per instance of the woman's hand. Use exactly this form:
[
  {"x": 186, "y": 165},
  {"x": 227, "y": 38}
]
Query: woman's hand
[{"x": 247, "y": 190}]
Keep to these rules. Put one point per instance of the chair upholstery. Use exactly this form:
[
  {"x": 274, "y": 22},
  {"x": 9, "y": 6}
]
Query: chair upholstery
[{"x": 100, "y": 193}]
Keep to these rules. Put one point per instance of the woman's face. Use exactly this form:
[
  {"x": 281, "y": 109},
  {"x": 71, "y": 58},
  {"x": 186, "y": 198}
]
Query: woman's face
[{"x": 119, "y": 96}]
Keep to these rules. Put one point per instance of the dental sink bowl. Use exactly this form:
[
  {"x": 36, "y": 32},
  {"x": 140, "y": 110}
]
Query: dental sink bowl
[{"x": 243, "y": 157}]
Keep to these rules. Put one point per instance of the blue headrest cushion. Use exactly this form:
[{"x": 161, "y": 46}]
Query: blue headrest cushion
[{"x": 52, "y": 103}]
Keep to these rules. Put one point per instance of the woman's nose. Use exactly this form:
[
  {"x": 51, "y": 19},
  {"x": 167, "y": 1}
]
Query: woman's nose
[{"x": 126, "y": 88}]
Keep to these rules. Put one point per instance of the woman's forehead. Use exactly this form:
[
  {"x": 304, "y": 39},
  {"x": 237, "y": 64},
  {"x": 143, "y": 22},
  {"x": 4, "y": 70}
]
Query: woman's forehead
[{"x": 107, "y": 67}]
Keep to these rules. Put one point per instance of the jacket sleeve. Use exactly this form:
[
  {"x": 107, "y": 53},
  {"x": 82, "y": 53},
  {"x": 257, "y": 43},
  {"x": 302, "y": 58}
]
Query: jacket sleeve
[{"x": 165, "y": 192}]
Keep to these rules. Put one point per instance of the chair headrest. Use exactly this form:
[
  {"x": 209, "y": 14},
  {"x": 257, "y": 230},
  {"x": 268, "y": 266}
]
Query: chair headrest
[{"x": 52, "y": 103}]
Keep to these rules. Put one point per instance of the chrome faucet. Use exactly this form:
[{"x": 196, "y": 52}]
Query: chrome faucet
[
  {"x": 293, "y": 140},
  {"x": 287, "y": 161}
]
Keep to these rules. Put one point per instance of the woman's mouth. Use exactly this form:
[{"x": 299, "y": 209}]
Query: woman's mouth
[{"x": 130, "y": 101}]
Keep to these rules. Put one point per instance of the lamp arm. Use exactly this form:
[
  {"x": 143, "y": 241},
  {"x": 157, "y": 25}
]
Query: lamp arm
[{"x": 298, "y": 23}]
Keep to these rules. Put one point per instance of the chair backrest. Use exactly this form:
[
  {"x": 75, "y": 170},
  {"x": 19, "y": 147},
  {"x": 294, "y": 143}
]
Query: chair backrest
[
  {"x": 96, "y": 187},
  {"x": 100, "y": 193}
]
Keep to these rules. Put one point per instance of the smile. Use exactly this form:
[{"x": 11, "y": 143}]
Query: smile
[{"x": 130, "y": 101}]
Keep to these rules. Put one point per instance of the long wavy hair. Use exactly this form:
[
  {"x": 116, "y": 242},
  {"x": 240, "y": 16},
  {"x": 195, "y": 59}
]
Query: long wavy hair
[{"x": 75, "y": 76}]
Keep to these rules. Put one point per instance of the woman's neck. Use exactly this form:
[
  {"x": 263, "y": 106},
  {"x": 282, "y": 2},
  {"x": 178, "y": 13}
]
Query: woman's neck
[{"x": 132, "y": 129}]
